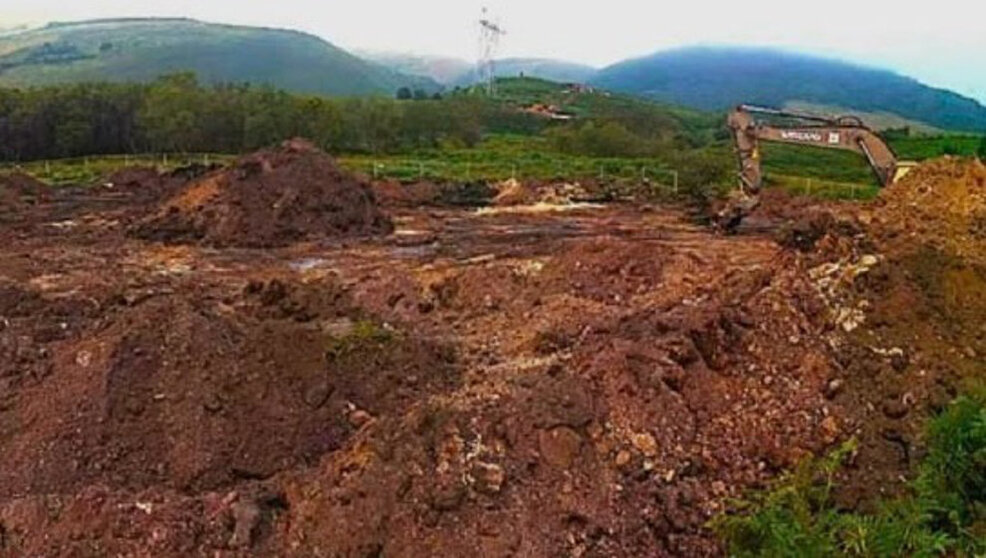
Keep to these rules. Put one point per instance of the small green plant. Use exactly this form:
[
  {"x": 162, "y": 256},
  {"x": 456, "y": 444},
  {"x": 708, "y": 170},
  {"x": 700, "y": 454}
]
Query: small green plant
[
  {"x": 944, "y": 514},
  {"x": 364, "y": 334}
]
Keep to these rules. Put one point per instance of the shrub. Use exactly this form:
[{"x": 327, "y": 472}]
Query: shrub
[{"x": 943, "y": 515}]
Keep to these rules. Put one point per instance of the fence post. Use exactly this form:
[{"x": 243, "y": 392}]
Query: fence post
[
  {"x": 853, "y": 191},
  {"x": 513, "y": 172},
  {"x": 808, "y": 186},
  {"x": 374, "y": 163}
]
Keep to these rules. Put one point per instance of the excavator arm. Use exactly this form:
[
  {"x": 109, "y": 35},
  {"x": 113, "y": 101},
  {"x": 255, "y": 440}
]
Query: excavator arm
[{"x": 846, "y": 133}]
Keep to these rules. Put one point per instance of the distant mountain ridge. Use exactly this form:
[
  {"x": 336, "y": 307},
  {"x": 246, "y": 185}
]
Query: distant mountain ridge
[
  {"x": 458, "y": 72},
  {"x": 142, "y": 49},
  {"x": 715, "y": 78}
]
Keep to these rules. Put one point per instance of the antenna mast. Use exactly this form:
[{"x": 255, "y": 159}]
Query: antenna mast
[{"x": 489, "y": 40}]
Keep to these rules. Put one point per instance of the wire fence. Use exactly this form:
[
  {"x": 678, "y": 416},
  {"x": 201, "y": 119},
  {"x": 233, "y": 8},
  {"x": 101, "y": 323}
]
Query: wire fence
[
  {"x": 84, "y": 170},
  {"x": 632, "y": 173},
  {"x": 470, "y": 171},
  {"x": 828, "y": 189}
]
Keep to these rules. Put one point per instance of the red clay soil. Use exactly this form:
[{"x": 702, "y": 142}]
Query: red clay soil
[
  {"x": 270, "y": 198},
  {"x": 18, "y": 189},
  {"x": 593, "y": 382}
]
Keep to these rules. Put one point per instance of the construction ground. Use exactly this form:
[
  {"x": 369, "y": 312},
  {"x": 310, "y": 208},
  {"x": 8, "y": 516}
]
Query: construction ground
[{"x": 277, "y": 359}]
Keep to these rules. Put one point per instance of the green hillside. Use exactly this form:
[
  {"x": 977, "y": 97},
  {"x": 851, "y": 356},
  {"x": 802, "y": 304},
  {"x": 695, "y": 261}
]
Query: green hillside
[
  {"x": 143, "y": 49},
  {"x": 717, "y": 78}
]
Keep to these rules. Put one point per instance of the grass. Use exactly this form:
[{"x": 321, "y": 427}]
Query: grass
[
  {"x": 88, "y": 170},
  {"x": 944, "y": 514},
  {"x": 816, "y": 162},
  {"x": 822, "y": 173},
  {"x": 506, "y": 156},
  {"x": 365, "y": 335},
  {"x": 921, "y": 148},
  {"x": 823, "y": 189}
]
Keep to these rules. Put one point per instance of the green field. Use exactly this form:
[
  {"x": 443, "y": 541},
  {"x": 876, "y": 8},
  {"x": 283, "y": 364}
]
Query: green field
[{"x": 644, "y": 146}]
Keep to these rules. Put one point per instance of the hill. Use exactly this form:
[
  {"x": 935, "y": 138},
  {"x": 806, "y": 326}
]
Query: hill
[
  {"x": 143, "y": 49},
  {"x": 714, "y": 78},
  {"x": 542, "y": 68},
  {"x": 458, "y": 72},
  {"x": 443, "y": 69}
]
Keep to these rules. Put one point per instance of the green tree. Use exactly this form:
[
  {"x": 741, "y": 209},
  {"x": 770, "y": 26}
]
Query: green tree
[
  {"x": 981, "y": 152},
  {"x": 169, "y": 113},
  {"x": 404, "y": 94}
]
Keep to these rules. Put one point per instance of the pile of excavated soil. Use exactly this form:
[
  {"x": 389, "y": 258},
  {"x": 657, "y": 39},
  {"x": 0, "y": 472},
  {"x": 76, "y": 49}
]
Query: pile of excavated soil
[
  {"x": 514, "y": 192},
  {"x": 271, "y": 198},
  {"x": 393, "y": 193},
  {"x": 906, "y": 289},
  {"x": 190, "y": 391},
  {"x": 17, "y": 189},
  {"x": 941, "y": 204}
]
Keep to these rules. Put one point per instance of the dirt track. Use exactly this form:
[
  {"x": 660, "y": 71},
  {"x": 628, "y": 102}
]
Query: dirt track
[{"x": 593, "y": 382}]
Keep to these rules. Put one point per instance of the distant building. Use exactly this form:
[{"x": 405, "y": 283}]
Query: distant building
[
  {"x": 548, "y": 111},
  {"x": 579, "y": 88}
]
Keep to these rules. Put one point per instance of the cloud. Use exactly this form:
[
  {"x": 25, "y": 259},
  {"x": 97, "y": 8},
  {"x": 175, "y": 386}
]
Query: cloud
[{"x": 940, "y": 44}]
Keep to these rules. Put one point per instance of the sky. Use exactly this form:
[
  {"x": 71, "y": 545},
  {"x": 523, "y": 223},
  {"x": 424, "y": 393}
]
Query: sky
[{"x": 943, "y": 47}]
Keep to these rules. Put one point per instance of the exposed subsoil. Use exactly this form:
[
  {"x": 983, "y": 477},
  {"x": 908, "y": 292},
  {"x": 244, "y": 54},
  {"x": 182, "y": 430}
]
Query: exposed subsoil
[
  {"x": 598, "y": 381},
  {"x": 267, "y": 199}
]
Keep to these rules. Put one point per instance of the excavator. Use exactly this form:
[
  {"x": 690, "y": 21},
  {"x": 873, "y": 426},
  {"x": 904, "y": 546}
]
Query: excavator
[{"x": 844, "y": 132}]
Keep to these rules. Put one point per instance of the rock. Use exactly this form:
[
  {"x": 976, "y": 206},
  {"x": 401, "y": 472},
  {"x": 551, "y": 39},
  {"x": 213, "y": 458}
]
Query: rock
[
  {"x": 622, "y": 458},
  {"x": 833, "y": 388},
  {"x": 83, "y": 359},
  {"x": 869, "y": 260},
  {"x": 895, "y": 409},
  {"x": 359, "y": 417},
  {"x": 899, "y": 360},
  {"x": 829, "y": 429},
  {"x": 560, "y": 446},
  {"x": 488, "y": 477},
  {"x": 318, "y": 393},
  {"x": 213, "y": 403},
  {"x": 645, "y": 444},
  {"x": 246, "y": 517}
]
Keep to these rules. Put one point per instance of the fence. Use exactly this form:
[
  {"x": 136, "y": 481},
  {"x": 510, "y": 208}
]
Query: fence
[
  {"x": 828, "y": 189},
  {"x": 471, "y": 171},
  {"x": 82, "y": 170}
]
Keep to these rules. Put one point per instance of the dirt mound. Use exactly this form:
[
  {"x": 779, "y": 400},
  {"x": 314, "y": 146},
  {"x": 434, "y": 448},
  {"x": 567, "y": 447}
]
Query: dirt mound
[
  {"x": 195, "y": 391},
  {"x": 270, "y": 198},
  {"x": 514, "y": 192},
  {"x": 942, "y": 204},
  {"x": 394, "y": 193},
  {"x": 18, "y": 188}
]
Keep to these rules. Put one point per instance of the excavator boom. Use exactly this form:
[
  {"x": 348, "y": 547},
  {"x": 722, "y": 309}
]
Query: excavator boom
[{"x": 846, "y": 133}]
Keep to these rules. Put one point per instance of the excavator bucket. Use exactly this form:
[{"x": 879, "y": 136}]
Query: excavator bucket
[{"x": 903, "y": 167}]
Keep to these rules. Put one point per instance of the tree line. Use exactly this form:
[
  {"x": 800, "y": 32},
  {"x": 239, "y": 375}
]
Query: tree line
[{"x": 178, "y": 114}]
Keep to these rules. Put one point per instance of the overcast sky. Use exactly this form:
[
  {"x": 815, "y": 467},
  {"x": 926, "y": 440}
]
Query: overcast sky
[{"x": 944, "y": 46}]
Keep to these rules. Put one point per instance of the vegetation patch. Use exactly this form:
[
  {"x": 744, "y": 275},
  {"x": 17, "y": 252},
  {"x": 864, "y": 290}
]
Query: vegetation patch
[{"x": 944, "y": 514}]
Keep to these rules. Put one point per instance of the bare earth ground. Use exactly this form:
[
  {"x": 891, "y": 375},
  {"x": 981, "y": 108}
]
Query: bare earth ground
[{"x": 597, "y": 381}]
